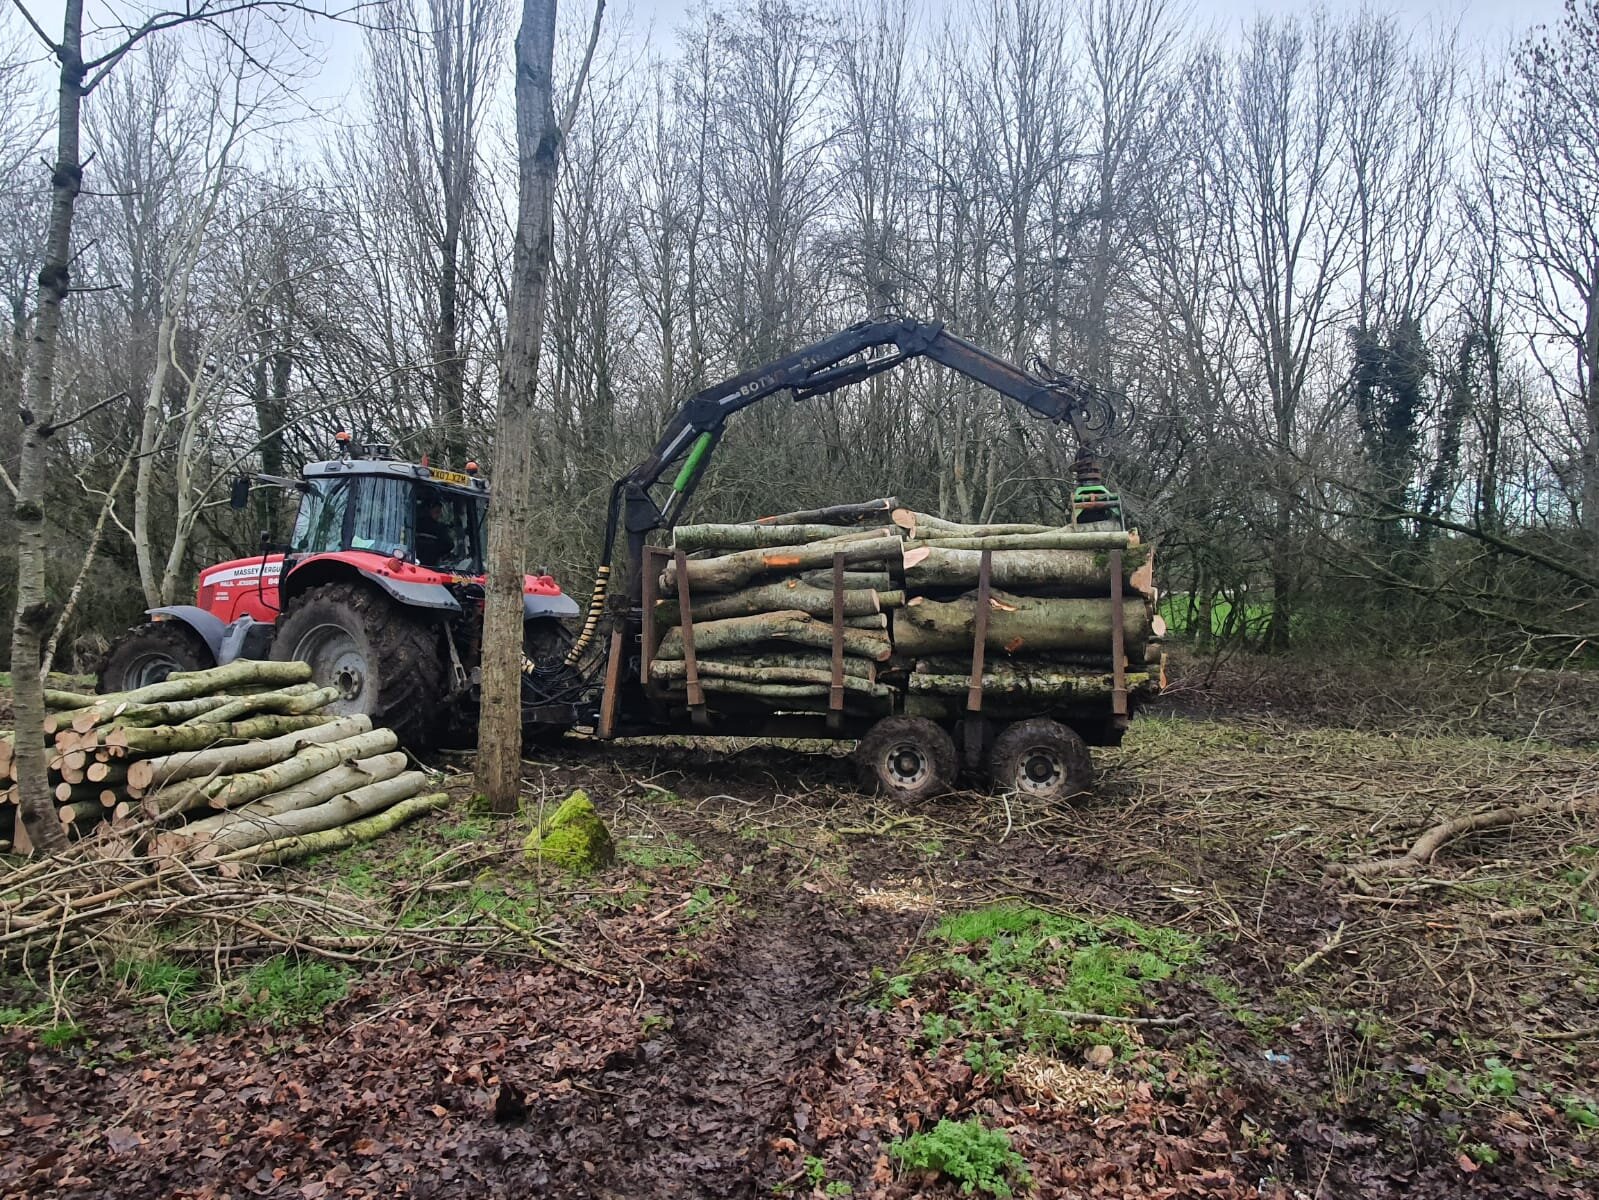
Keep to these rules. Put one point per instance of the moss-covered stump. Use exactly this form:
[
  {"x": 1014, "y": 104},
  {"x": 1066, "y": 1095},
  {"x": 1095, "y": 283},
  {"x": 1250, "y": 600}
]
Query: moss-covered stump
[{"x": 572, "y": 837}]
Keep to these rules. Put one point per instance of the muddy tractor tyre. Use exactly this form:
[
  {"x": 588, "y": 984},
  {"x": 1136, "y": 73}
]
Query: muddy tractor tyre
[
  {"x": 386, "y": 660},
  {"x": 1042, "y": 759},
  {"x": 907, "y": 758},
  {"x": 149, "y": 653}
]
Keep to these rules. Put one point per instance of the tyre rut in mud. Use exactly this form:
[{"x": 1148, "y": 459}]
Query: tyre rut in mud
[{"x": 692, "y": 1112}]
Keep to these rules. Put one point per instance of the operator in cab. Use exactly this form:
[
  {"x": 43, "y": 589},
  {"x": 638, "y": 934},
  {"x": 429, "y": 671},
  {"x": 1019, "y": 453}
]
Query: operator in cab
[{"x": 436, "y": 537}]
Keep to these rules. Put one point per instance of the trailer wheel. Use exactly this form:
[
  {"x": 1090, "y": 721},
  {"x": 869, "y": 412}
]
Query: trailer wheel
[
  {"x": 1040, "y": 758},
  {"x": 908, "y": 758},
  {"x": 149, "y": 653}
]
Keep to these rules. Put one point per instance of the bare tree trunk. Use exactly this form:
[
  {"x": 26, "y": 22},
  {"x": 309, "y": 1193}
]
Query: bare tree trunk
[
  {"x": 538, "y": 139},
  {"x": 38, "y": 417}
]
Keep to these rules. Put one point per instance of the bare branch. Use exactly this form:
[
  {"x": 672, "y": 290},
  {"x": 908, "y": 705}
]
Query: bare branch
[{"x": 576, "y": 96}]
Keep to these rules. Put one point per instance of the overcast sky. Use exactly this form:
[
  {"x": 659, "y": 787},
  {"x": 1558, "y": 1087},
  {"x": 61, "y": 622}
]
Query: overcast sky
[{"x": 1490, "y": 23}]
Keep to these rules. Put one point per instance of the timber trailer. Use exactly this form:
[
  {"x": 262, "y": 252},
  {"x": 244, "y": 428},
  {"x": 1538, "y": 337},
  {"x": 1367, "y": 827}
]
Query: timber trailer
[{"x": 395, "y": 621}]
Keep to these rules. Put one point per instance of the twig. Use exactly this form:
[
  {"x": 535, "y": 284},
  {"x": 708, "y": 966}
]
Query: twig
[
  {"x": 1089, "y": 1018},
  {"x": 1322, "y": 952}
]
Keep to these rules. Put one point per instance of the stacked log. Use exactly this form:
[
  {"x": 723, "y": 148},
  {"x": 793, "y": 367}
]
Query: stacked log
[
  {"x": 762, "y": 609},
  {"x": 210, "y": 763}
]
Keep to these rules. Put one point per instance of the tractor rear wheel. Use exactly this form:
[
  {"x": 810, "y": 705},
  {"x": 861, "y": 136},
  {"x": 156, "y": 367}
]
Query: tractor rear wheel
[
  {"x": 149, "y": 653},
  {"x": 384, "y": 659}
]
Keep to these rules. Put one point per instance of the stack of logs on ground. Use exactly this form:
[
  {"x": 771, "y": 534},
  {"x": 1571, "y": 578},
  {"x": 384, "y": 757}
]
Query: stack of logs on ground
[
  {"x": 908, "y": 594},
  {"x": 237, "y": 763}
]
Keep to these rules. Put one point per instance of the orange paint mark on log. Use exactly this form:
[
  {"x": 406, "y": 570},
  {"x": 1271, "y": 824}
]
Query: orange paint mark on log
[{"x": 781, "y": 560}]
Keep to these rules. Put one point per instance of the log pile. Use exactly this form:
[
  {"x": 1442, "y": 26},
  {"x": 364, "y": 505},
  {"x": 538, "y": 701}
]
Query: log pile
[
  {"x": 233, "y": 763},
  {"x": 872, "y": 608}
]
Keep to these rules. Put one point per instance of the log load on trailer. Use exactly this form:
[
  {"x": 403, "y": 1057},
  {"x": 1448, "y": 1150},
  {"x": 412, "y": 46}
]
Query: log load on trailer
[{"x": 935, "y": 645}]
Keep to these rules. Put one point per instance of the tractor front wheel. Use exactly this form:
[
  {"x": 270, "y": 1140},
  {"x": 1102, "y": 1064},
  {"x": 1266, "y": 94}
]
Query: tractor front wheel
[
  {"x": 385, "y": 660},
  {"x": 149, "y": 653}
]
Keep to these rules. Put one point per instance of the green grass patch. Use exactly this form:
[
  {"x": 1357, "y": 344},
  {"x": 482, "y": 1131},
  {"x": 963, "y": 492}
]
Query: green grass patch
[
  {"x": 977, "y": 1158},
  {"x": 289, "y": 991},
  {"x": 654, "y": 851},
  {"x": 1013, "y": 975},
  {"x": 25, "y": 1018},
  {"x": 156, "y": 977}
]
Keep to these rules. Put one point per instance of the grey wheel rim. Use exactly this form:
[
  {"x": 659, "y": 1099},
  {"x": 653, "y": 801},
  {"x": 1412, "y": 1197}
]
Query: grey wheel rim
[
  {"x": 906, "y": 766},
  {"x": 153, "y": 666},
  {"x": 336, "y": 661},
  {"x": 1040, "y": 771}
]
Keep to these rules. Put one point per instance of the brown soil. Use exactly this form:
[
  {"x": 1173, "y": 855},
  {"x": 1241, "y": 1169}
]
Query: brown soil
[{"x": 730, "y": 1032}]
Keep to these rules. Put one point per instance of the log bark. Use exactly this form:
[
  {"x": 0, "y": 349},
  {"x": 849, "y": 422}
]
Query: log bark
[
  {"x": 692, "y": 538},
  {"x": 802, "y": 661},
  {"x": 1050, "y": 539},
  {"x": 166, "y": 712},
  {"x": 340, "y": 810},
  {"x": 782, "y": 596},
  {"x": 57, "y": 700},
  {"x": 880, "y": 621},
  {"x": 229, "y": 791},
  {"x": 868, "y": 512},
  {"x": 185, "y": 685},
  {"x": 1061, "y": 662},
  {"x": 798, "y": 628},
  {"x": 1016, "y": 625},
  {"x": 106, "y": 773},
  {"x": 285, "y": 850},
  {"x": 776, "y": 692},
  {"x": 1042, "y": 685},
  {"x": 671, "y": 670},
  {"x": 168, "y": 739},
  {"x": 733, "y": 571},
  {"x": 918, "y": 524},
  {"x": 319, "y": 789},
  {"x": 1062, "y": 572},
  {"x": 292, "y": 701},
  {"x": 853, "y": 580},
  {"x": 157, "y": 772}
]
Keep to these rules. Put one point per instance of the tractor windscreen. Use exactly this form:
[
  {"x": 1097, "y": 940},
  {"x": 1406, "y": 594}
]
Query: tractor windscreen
[{"x": 319, "y": 525}]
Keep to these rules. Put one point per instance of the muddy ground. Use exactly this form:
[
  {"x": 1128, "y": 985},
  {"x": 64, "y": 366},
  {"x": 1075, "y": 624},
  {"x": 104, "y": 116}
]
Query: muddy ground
[{"x": 1171, "y": 989}]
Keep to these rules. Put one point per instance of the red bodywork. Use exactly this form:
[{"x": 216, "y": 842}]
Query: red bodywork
[{"x": 248, "y": 587}]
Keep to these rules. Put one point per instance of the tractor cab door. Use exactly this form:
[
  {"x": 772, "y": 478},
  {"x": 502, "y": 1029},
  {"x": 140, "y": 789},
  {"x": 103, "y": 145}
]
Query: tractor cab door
[{"x": 449, "y": 530}]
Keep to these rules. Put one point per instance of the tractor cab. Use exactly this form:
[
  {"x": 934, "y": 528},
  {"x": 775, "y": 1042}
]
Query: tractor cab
[{"x": 421, "y": 515}]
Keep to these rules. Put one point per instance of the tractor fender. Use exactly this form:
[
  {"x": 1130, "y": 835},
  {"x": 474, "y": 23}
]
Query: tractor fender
[
  {"x": 243, "y": 637},
  {"x": 208, "y": 626},
  {"x": 416, "y": 595},
  {"x": 548, "y": 606}
]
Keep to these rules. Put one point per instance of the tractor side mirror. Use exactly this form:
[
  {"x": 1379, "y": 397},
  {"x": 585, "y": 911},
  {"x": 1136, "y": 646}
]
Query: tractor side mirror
[{"x": 239, "y": 495}]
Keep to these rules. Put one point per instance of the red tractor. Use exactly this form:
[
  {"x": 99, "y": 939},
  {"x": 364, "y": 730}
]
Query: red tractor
[{"x": 380, "y": 589}]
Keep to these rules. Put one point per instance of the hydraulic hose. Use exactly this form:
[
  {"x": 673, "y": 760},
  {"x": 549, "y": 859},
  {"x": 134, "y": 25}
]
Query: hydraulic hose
[{"x": 602, "y": 579}]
